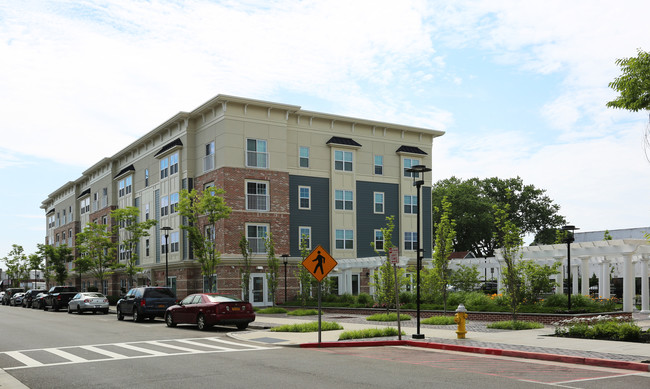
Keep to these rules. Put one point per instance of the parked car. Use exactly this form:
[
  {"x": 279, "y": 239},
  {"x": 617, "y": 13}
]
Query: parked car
[
  {"x": 88, "y": 301},
  {"x": 2, "y": 294},
  {"x": 16, "y": 299},
  {"x": 145, "y": 302},
  {"x": 37, "y": 301},
  {"x": 8, "y": 293},
  {"x": 58, "y": 297},
  {"x": 208, "y": 309},
  {"x": 29, "y": 296}
]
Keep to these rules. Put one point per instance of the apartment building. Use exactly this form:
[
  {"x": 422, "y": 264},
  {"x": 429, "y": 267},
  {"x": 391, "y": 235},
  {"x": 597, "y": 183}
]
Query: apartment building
[{"x": 285, "y": 171}]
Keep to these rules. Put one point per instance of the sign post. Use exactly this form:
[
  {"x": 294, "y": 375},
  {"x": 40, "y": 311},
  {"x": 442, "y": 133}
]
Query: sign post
[
  {"x": 319, "y": 263},
  {"x": 393, "y": 253}
]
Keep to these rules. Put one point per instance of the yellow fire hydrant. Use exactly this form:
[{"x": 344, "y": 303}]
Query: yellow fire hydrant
[{"x": 460, "y": 318}]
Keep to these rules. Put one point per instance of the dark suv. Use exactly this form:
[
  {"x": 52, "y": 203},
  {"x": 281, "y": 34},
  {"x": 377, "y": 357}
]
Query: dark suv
[
  {"x": 10, "y": 292},
  {"x": 29, "y": 296},
  {"x": 145, "y": 301}
]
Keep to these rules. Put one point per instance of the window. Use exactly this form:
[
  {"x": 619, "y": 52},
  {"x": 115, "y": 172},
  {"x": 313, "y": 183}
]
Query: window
[
  {"x": 173, "y": 164},
  {"x": 65, "y": 220},
  {"x": 146, "y": 211},
  {"x": 343, "y": 160},
  {"x": 84, "y": 206},
  {"x": 173, "y": 242},
  {"x": 257, "y": 198},
  {"x": 344, "y": 240},
  {"x": 409, "y": 163},
  {"x": 410, "y": 241},
  {"x": 104, "y": 198},
  {"x": 410, "y": 204},
  {"x": 379, "y": 164},
  {"x": 146, "y": 247},
  {"x": 379, "y": 202},
  {"x": 164, "y": 168},
  {"x": 256, "y": 235},
  {"x": 343, "y": 199},
  {"x": 164, "y": 206},
  {"x": 95, "y": 202},
  {"x": 105, "y": 220},
  {"x": 70, "y": 238},
  {"x": 304, "y": 197},
  {"x": 70, "y": 214},
  {"x": 208, "y": 159},
  {"x": 210, "y": 233},
  {"x": 173, "y": 200},
  {"x": 379, "y": 240},
  {"x": 304, "y": 156},
  {"x": 125, "y": 186},
  {"x": 146, "y": 177},
  {"x": 163, "y": 244},
  {"x": 304, "y": 233},
  {"x": 256, "y": 153}
]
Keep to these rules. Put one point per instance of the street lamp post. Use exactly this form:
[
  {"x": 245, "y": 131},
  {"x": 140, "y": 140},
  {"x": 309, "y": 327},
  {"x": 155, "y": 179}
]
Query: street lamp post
[
  {"x": 285, "y": 260},
  {"x": 415, "y": 171},
  {"x": 569, "y": 239},
  {"x": 166, "y": 229}
]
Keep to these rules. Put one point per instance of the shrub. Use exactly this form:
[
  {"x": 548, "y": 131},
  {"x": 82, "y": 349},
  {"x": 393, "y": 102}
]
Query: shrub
[
  {"x": 515, "y": 325},
  {"x": 439, "y": 320},
  {"x": 388, "y": 317},
  {"x": 303, "y": 312},
  {"x": 272, "y": 310},
  {"x": 555, "y": 300},
  {"x": 369, "y": 333},
  {"x": 365, "y": 299},
  {"x": 406, "y": 298},
  {"x": 476, "y": 301},
  {"x": 308, "y": 327}
]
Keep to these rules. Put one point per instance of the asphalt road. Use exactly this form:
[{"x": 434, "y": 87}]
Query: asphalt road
[{"x": 58, "y": 350}]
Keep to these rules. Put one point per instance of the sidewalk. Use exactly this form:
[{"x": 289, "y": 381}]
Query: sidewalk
[{"x": 534, "y": 344}]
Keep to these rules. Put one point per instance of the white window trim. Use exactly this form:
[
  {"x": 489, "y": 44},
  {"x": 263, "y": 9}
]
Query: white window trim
[
  {"x": 374, "y": 203},
  {"x": 300, "y": 157},
  {"x": 267, "y": 196},
  {"x": 300, "y": 237},
  {"x": 344, "y": 200},
  {"x": 268, "y": 230},
  {"x": 374, "y": 239},
  {"x": 266, "y": 153},
  {"x": 299, "y": 198}
]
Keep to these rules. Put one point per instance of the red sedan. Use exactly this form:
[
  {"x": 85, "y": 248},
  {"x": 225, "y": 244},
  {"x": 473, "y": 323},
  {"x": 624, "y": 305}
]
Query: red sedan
[{"x": 208, "y": 309}]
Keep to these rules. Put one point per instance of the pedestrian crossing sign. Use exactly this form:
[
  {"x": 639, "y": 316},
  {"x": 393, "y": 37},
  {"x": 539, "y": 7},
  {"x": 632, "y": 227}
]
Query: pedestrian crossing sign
[{"x": 319, "y": 263}]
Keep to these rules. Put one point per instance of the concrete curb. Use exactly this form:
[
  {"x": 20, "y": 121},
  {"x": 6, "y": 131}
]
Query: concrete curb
[{"x": 637, "y": 366}]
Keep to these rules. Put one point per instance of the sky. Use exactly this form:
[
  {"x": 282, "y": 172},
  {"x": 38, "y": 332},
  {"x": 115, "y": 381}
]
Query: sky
[{"x": 519, "y": 87}]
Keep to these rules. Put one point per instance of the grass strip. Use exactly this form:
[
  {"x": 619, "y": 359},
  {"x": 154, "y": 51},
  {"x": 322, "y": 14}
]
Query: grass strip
[
  {"x": 308, "y": 327},
  {"x": 388, "y": 317},
  {"x": 515, "y": 325},
  {"x": 369, "y": 333}
]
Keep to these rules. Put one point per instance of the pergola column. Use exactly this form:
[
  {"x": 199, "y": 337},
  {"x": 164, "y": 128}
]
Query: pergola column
[
  {"x": 500, "y": 284},
  {"x": 628, "y": 283},
  {"x": 645, "y": 293},
  {"x": 559, "y": 277},
  {"x": 584, "y": 269},
  {"x": 574, "y": 278},
  {"x": 603, "y": 280}
]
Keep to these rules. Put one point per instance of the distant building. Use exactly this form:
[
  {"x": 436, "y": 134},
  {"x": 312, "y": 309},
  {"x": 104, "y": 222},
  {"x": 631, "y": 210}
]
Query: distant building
[{"x": 625, "y": 233}]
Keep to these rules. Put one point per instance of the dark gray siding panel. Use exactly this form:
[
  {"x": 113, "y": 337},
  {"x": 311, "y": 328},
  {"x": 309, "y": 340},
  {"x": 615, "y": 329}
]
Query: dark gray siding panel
[
  {"x": 368, "y": 221},
  {"x": 318, "y": 217}
]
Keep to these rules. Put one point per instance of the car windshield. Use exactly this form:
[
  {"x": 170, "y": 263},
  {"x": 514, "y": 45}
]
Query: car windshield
[
  {"x": 93, "y": 295},
  {"x": 159, "y": 293},
  {"x": 216, "y": 298}
]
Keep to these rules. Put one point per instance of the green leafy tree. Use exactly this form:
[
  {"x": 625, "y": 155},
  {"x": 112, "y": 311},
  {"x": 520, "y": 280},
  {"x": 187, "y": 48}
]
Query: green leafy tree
[
  {"x": 508, "y": 237},
  {"x": 130, "y": 231},
  {"x": 303, "y": 275},
  {"x": 442, "y": 249},
  {"x": 58, "y": 258},
  {"x": 95, "y": 243},
  {"x": 273, "y": 264},
  {"x": 607, "y": 235},
  {"x": 466, "y": 278},
  {"x": 204, "y": 209},
  {"x": 17, "y": 265},
  {"x": 537, "y": 279},
  {"x": 633, "y": 85},
  {"x": 35, "y": 263},
  {"x": 245, "y": 270},
  {"x": 473, "y": 202},
  {"x": 384, "y": 277}
]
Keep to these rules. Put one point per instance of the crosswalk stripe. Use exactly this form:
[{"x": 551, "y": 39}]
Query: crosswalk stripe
[
  {"x": 107, "y": 353},
  {"x": 218, "y": 340},
  {"x": 174, "y": 347},
  {"x": 140, "y": 349},
  {"x": 65, "y": 355},
  {"x": 24, "y": 359},
  {"x": 204, "y": 345}
]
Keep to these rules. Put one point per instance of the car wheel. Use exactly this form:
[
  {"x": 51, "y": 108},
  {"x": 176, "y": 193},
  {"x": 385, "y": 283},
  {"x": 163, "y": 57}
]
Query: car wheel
[
  {"x": 79, "y": 311},
  {"x": 44, "y": 307},
  {"x": 69, "y": 309},
  {"x": 119, "y": 314},
  {"x": 242, "y": 326},
  {"x": 137, "y": 317},
  {"x": 200, "y": 322},
  {"x": 55, "y": 307},
  {"x": 105, "y": 311},
  {"x": 169, "y": 320}
]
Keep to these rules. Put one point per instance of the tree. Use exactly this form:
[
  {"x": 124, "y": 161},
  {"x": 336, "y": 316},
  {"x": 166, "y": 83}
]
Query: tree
[
  {"x": 508, "y": 237},
  {"x": 201, "y": 212},
  {"x": 247, "y": 254},
  {"x": 465, "y": 278},
  {"x": 633, "y": 84},
  {"x": 35, "y": 263},
  {"x": 131, "y": 230},
  {"x": 442, "y": 249},
  {"x": 384, "y": 277},
  {"x": 17, "y": 265},
  {"x": 473, "y": 202},
  {"x": 58, "y": 257},
  {"x": 303, "y": 275},
  {"x": 607, "y": 235},
  {"x": 273, "y": 264},
  {"x": 95, "y": 243},
  {"x": 537, "y": 279}
]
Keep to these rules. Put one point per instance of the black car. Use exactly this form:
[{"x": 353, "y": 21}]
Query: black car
[
  {"x": 37, "y": 301},
  {"x": 10, "y": 292},
  {"x": 145, "y": 302},
  {"x": 29, "y": 296}
]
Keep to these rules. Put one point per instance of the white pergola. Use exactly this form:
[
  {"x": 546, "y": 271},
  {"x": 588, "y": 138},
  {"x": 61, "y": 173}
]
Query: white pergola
[{"x": 626, "y": 258}]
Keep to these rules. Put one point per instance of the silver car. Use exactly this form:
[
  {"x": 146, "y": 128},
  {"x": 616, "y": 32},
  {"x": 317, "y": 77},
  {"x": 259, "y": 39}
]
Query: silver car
[{"x": 88, "y": 301}]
